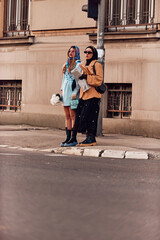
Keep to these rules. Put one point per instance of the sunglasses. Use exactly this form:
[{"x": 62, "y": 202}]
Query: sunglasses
[{"x": 89, "y": 52}]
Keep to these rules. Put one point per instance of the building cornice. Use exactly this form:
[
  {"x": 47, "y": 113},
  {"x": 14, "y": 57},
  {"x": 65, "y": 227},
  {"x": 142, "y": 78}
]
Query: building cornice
[
  {"x": 62, "y": 32},
  {"x": 17, "y": 40}
]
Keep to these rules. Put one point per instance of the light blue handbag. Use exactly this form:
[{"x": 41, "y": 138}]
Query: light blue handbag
[{"x": 74, "y": 103}]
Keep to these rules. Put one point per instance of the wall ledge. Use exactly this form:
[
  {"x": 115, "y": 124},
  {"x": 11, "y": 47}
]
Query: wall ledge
[
  {"x": 127, "y": 36},
  {"x": 17, "y": 40}
]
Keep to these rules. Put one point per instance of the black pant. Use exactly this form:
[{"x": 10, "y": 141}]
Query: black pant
[{"x": 87, "y": 116}]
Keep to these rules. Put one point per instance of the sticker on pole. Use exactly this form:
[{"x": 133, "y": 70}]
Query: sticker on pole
[{"x": 100, "y": 53}]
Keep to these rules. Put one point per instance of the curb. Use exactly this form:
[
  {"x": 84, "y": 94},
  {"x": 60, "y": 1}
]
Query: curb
[
  {"x": 90, "y": 152},
  {"x": 102, "y": 153}
]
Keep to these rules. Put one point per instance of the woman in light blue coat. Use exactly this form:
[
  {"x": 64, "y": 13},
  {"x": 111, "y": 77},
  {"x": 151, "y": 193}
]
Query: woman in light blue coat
[{"x": 70, "y": 90}]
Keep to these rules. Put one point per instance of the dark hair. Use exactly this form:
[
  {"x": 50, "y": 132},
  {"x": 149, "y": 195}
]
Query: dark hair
[{"x": 95, "y": 53}]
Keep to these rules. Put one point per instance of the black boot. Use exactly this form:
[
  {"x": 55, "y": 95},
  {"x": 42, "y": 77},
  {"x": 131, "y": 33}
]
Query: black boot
[
  {"x": 68, "y": 136},
  {"x": 89, "y": 141},
  {"x": 73, "y": 141}
]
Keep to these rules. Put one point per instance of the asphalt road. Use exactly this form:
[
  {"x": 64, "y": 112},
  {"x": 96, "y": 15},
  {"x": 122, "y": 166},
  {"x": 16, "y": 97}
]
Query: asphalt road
[{"x": 52, "y": 197}]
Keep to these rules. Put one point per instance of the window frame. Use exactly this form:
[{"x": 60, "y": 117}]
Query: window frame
[
  {"x": 16, "y": 18},
  {"x": 10, "y": 95},
  {"x": 131, "y": 13},
  {"x": 114, "y": 101}
]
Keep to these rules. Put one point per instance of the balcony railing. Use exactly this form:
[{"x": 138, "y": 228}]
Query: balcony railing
[
  {"x": 133, "y": 28},
  {"x": 126, "y": 12}
]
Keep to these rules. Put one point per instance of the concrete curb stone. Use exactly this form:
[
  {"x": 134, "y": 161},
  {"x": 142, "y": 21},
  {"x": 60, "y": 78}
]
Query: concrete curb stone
[
  {"x": 58, "y": 150},
  {"x": 113, "y": 154},
  {"x": 92, "y": 152},
  {"x": 136, "y": 155},
  {"x": 46, "y": 150},
  {"x": 102, "y": 153},
  {"x": 71, "y": 151}
]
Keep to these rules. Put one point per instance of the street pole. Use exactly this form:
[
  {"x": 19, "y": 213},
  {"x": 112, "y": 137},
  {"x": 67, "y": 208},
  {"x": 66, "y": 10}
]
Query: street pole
[{"x": 101, "y": 52}]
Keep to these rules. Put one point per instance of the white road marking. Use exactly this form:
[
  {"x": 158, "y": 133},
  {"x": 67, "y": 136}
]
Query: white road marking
[
  {"x": 55, "y": 155},
  {"x": 9, "y": 154},
  {"x": 13, "y": 147}
]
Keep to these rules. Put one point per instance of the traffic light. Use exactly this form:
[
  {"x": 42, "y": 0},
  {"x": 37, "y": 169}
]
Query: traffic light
[{"x": 92, "y": 8}]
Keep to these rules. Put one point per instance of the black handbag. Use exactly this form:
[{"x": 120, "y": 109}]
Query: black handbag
[{"x": 102, "y": 88}]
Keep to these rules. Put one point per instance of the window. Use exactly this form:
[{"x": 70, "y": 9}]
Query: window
[
  {"x": 16, "y": 17},
  {"x": 131, "y": 13},
  {"x": 10, "y": 95},
  {"x": 126, "y": 12},
  {"x": 119, "y": 100},
  {"x": 114, "y": 12}
]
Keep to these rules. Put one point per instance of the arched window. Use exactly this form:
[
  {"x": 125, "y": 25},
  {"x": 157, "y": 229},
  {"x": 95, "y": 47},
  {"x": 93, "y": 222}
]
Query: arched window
[{"x": 16, "y": 17}]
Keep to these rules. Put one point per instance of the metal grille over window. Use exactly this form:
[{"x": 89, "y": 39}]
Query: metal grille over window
[
  {"x": 119, "y": 100},
  {"x": 16, "y": 17},
  {"x": 130, "y": 12},
  {"x": 10, "y": 95}
]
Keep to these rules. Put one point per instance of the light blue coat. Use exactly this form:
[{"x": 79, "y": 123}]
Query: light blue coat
[{"x": 66, "y": 87}]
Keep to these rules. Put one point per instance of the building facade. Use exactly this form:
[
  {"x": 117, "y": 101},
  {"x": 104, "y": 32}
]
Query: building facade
[{"x": 34, "y": 39}]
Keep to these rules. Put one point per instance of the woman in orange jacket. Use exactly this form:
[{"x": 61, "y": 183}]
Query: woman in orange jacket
[{"x": 88, "y": 107}]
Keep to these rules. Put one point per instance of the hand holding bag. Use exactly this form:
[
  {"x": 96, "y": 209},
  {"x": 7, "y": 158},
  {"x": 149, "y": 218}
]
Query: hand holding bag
[{"x": 74, "y": 103}]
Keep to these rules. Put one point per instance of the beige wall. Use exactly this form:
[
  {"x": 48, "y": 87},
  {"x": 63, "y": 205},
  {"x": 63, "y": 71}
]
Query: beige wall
[
  {"x": 157, "y": 11},
  {"x": 137, "y": 63},
  {"x": 49, "y": 14},
  {"x": 59, "y": 14}
]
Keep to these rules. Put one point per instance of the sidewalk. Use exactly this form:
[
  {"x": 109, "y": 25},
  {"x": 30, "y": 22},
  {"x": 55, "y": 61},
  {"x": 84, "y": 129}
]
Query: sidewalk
[{"x": 47, "y": 139}]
